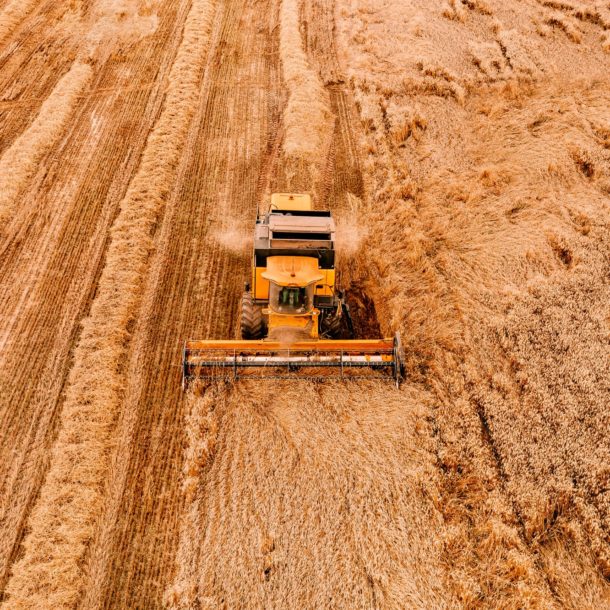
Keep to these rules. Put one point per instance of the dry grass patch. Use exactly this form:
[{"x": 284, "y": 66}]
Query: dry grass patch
[
  {"x": 114, "y": 24},
  {"x": 559, "y": 20}
]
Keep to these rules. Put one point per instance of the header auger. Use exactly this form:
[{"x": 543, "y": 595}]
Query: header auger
[{"x": 294, "y": 322}]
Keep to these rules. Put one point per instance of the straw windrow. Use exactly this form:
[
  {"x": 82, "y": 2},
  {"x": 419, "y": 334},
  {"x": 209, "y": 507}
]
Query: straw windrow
[
  {"x": 307, "y": 115},
  {"x": 20, "y": 161},
  {"x": 12, "y": 14}
]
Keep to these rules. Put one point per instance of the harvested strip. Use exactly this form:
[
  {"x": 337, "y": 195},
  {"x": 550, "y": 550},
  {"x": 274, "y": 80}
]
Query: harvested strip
[
  {"x": 62, "y": 523},
  {"x": 13, "y": 14},
  {"x": 307, "y": 115},
  {"x": 20, "y": 161}
]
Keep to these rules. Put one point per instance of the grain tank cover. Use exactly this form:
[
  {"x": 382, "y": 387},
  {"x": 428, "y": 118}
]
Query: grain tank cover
[
  {"x": 298, "y": 230},
  {"x": 291, "y": 201},
  {"x": 302, "y": 231}
]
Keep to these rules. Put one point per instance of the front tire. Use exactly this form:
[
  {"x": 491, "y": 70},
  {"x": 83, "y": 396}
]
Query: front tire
[{"x": 252, "y": 320}]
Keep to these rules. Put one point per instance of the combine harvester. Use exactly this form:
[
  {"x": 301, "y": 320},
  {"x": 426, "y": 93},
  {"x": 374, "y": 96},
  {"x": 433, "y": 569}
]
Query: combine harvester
[{"x": 294, "y": 322}]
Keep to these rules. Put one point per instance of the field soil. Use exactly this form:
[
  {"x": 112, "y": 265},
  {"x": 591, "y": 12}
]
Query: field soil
[{"x": 464, "y": 149}]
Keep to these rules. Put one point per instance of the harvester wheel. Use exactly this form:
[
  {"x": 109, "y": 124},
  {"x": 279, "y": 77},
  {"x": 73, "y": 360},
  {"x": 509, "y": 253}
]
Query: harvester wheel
[{"x": 252, "y": 321}]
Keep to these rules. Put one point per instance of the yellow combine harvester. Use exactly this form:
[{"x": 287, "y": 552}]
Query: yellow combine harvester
[{"x": 293, "y": 319}]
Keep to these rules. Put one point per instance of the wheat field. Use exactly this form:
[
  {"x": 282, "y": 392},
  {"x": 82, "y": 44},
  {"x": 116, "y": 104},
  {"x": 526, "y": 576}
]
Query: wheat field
[{"x": 463, "y": 147}]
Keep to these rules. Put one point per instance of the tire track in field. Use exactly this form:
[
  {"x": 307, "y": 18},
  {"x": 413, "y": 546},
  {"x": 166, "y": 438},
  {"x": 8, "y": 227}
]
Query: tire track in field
[
  {"x": 342, "y": 173},
  {"x": 193, "y": 290},
  {"x": 51, "y": 258}
]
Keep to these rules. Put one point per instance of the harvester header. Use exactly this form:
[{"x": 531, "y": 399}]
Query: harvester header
[
  {"x": 294, "y": 320},
  {"x": 348, "y": 359}
]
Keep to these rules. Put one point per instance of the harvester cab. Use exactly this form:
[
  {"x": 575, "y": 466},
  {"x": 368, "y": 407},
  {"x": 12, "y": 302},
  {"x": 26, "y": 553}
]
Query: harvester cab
[{"x": 293, "y": 318}]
